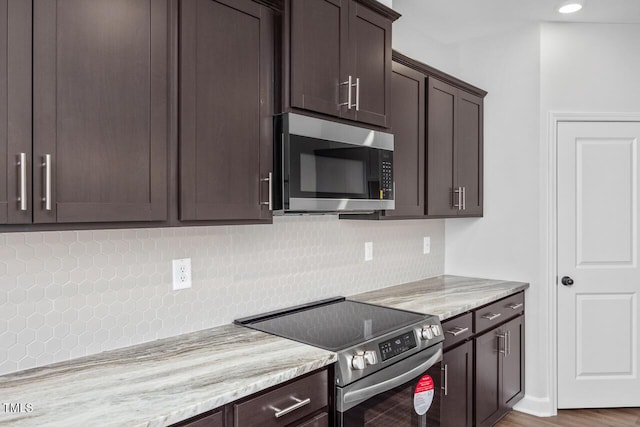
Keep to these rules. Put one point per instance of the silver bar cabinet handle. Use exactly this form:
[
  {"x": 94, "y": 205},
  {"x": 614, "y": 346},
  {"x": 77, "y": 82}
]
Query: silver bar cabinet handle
[
  {"x": 492, "y": 316},
  {"x": 515, "y": 306},
  {"x": 22, "y": 181},
  {"x": 268, "y": 180},
  {"x": 458, "y": 191},
  {"x": 457, "y": 331},
  {"x": 349, "y": 84},
  {"x": 46, "y": 164},
  {"x": 299, "y": 404},
  {"x": 464, "y": 198},
  {"x": 504, "y": 348},
  {"x": 446, "y": 380},
  {"x": 358, "y": 94}
]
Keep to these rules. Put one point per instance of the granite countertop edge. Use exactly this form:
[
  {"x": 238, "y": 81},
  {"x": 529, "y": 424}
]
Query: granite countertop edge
[{"x": 444, "y": 296}]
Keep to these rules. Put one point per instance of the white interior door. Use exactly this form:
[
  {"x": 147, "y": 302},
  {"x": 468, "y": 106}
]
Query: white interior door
[{"x": 598, "y": 249}]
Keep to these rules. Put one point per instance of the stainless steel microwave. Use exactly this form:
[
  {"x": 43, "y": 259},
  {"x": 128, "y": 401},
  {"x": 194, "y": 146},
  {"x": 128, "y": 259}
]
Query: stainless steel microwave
[{"x": 322, "y": 167}]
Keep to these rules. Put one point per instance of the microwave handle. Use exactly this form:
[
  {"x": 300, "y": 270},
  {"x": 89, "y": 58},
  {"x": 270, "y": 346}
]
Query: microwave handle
[{"x": 396, "y": 379}]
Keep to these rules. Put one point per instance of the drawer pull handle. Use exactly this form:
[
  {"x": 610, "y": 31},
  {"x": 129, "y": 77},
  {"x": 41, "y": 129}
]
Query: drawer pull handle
[
  {"x": 457, "y": 331},
  {"x": 299, "y": 404},
  {"x": 515, "y": 306},
  {"x": 492, "y": 316}
]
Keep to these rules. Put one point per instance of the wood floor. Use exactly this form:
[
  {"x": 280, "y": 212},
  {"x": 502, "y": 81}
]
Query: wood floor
[{"x": 618, "y": 417}]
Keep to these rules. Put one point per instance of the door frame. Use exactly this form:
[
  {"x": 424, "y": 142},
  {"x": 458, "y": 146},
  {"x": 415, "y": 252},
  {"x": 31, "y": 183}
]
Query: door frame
[{"x": 550, "y": 258}]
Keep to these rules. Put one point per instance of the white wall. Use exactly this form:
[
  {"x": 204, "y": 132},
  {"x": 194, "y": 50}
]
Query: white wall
[
  {"x": 590, "y": 67},
  {"x": 529, "y": 72},
  {"x": 584, "y": 68},
  {"x": 410, "y": 39},
  {"x": 505, "y": 243}
]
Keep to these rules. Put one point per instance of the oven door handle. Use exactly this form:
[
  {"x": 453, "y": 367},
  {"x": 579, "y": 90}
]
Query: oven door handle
[{"x": 360, "y": 395}]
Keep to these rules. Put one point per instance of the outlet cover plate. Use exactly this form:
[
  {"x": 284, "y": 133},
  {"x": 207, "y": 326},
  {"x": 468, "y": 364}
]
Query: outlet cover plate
[
  {"x": 426, "y": 245},
  {"x": 181, "y": 273},
  {"x": 368, "y": 251}
]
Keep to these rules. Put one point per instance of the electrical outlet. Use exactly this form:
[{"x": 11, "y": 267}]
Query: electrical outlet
[
  {"x": 181, "y": 273},
  {"x": 426, "y": 245},
  {"x": 368, "y": 251}
]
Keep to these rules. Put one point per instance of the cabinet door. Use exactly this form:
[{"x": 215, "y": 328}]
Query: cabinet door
[
  {"x": 488, "y": 365},
  {"x": 100, "y": 110},
  {"x": 513, "y": 363},
  {"x": 370, "y": 55},
  {"x": 318, "y": 40},
  {"x": 214, "y": 420},
  {"x": 468, "y": 151},
  {"x": 441, "y": 100},
  {"x": 226, "y": 108},
  {"x": 15, "y": 111},
  {"x": 407, "y": 124},
  {"x": 457, "y": 396},
  {"x": 321, "y": 420}
]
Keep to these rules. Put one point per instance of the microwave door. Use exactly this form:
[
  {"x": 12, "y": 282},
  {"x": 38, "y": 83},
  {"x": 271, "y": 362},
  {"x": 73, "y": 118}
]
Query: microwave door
[{"x": 328, "y": 170}]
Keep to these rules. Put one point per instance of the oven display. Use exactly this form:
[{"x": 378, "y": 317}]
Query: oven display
[{"x": 397, "y": 345}]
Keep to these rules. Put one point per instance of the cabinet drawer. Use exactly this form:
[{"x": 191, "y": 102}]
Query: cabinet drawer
[
  {"x": 261, "y": 410},
  {"x": 499, "y": 311},
  {"x": 457, "y": 329}
]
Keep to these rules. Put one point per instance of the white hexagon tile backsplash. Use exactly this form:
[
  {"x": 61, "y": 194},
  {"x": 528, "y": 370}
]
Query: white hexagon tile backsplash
[{"x": 72, "y": 293}]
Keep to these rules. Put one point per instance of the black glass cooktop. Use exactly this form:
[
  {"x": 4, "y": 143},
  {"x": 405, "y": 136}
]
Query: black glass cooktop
[{"x": 333, "y": 325}]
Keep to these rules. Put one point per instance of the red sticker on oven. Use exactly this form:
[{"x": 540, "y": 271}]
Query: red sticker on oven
[{"x": 423, "y": 395}]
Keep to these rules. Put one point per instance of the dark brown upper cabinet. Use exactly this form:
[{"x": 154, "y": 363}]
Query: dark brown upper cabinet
[
  {"x": 16, "y": 200},
  {"x": 454, "y": 151},
  {"x": 226, "y": 110},
  {"x": 407, "y": 121},
  {"x": 100, "y": 111},
  {"x": 437, "y": 121},
  {"x": 338, "y": 58}
]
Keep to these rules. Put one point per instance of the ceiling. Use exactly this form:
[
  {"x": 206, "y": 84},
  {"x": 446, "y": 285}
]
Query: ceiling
[{"x": 452, "y": 21}]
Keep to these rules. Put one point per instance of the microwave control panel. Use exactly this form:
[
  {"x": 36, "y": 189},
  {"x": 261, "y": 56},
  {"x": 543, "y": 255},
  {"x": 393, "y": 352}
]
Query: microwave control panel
[{"x": 386, "y": 177}]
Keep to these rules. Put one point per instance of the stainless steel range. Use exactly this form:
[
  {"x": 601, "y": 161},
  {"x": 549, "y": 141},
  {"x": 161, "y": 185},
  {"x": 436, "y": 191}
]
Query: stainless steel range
[{"x": 388, "y": 369}]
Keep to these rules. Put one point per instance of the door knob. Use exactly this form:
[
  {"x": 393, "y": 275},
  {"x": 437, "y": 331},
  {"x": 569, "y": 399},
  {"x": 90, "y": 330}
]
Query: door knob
[{"x": 567, "y": 281}]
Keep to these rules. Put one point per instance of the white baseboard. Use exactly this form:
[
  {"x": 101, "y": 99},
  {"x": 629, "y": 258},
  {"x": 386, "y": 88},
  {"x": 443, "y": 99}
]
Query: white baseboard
[{"x": 536, "y": 406}]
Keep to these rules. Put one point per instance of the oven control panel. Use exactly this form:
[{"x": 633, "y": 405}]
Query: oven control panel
[{"x": 397, "y": 345}]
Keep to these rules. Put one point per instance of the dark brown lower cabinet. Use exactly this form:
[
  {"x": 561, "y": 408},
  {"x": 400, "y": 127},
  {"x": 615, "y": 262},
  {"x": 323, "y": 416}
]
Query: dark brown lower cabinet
[
  {"x": 321, "y": 420},
  {"x": 302, "y": 402},
  {"x": 499, "y": 371},
  {"x": 457, "y": 393},
  {"x": 214, "y": 420}
]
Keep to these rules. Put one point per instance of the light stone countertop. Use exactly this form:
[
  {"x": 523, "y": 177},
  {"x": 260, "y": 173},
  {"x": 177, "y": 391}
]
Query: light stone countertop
[
  {"x": 443, "y": 296},
  {"x": 157, "y": 383}
]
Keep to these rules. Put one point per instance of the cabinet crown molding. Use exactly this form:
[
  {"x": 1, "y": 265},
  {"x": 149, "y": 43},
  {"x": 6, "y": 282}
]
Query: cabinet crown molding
[
  {"x": 434, "y": 72},
  {"x": 380, "y": 8}
]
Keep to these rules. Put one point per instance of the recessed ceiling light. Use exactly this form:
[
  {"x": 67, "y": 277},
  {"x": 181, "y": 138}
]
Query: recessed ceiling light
[{"x": 570, "y": 7}]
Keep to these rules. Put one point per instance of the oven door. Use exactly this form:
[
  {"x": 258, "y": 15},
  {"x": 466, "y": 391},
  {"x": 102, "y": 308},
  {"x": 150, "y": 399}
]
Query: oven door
[{"x": 399, "y": 395}]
